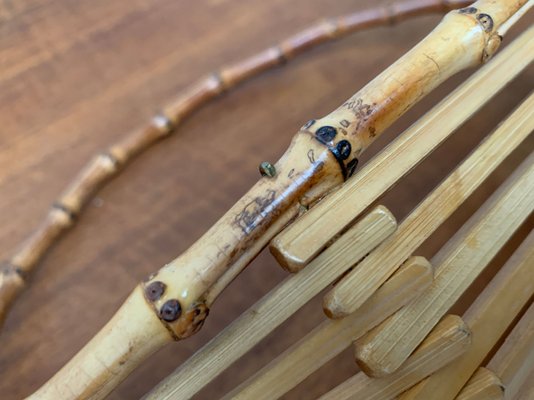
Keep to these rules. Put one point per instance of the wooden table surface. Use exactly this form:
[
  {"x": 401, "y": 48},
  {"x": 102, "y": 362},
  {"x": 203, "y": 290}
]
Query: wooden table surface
[{"x": 75, "y": 75}]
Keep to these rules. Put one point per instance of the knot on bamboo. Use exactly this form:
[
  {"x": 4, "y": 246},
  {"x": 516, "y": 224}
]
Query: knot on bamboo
[{"x": 180, "y": 319}]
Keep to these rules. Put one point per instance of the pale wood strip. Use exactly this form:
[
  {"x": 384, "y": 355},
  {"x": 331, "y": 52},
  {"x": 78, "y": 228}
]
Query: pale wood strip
[
  {"x": 292, "y": 247},
  {"x": 488, "y": 317},
  {"x": 514, "y": 361},
  {"x": 275, "y": 307},
  {"x": 483, "y": 385},
  {"x": 526, "y": 392},
  {"x": 457, "y": 264},
  {"x": 448, "y": 340},
  {"x": 352, "y": 291},
  {"x": 331, "y": 337}
]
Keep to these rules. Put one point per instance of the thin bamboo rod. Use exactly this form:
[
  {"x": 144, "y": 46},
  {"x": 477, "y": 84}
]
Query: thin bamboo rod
[
  {"x": 483, "y": 385},
  {"x": 489, "y": 317},
  {"x": 385, "y": 348},
  {"x": 291, "y": 246},
  {"x": 105, "y": 166},
  {"x": 348, "y": 294},
  {"x": 514, "y": 361},
  {"x": 522, "y": 11},
  {"x": 275, "y": 307},
  {"x": 447, "y": 341},
  {"x": 331, "y": 337}
]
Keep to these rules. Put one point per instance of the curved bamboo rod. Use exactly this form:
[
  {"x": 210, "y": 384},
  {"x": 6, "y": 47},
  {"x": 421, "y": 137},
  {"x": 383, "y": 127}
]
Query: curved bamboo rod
[
  {"x": 106, "y": 165},
  {"x": 321, "y": 156}
]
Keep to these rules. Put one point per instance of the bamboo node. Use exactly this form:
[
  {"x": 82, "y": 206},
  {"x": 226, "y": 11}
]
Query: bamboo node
[
  {"x": 163, "y": 123},
  {"x": 10, "y": 269},
  {"x": 64, "y": 210}
]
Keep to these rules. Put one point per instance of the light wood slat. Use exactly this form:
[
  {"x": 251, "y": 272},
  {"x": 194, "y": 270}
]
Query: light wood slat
[
  {"x": 292, "y": 246},
  {"x": 348, "y": 295},
  {"x": 457, "y": 264},
  {"x": 527, "y": 390},
  {"x": 488, "y": 317},
  {"x": 514, "y": 361},
  {"x": 483, "y": 385},
  {"x": 448, "y": 340},
  {"x": 331, "y": 337},
  {"x": 275, "y": 307}
]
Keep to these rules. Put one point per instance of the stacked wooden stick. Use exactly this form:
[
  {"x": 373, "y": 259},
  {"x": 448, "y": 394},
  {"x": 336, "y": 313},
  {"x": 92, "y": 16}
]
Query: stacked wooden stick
[{"x": 393, "y": 305}]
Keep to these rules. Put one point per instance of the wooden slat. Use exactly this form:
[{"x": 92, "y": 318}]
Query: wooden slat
[
  {"x": 449, "y": 339},
  {"x": 331, "y": 337},
  {"x": 483, "y": 385},
  {"x": 291, "y": 247},
  {"x": 488, "y": 317},
  {"x": 514, "y": 361}
]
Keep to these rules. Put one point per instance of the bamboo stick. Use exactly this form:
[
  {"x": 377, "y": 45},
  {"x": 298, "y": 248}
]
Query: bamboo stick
[
  {"x": 275, "y": 307},
  {"x": 447, "y": 341},
  {"x": 317, "y": 160},
  {"x": 514, "y": 361},
  {"x": 527, "y": 390},
  {"x": 291, "y": 247},
  {"x": 385, "y": 348},
  {"x": 483, "y": 385},
  {"x": 331, "y": 337},
  {"x": 105, "y": 166},
  {"x": 348, "y": 294},
  {"x": 256, "y": 323},
  {"x": 488, "y": 317}
]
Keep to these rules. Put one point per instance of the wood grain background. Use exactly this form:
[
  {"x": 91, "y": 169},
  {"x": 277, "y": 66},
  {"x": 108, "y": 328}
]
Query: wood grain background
[{"x": 75, "y": 75}]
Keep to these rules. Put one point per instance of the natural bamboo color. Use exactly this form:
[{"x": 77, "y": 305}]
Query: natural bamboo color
[
  {"x": 488, "y": 317},
  {"x": 447, "y": 341},
  {"x": 291, "y": 247},
  {"x": 348, "y": 294},
  {"x": 275, "y": 307},
  {"x": 386, "y": 347},
  {"x": 103, "y": 167},
  {"x": 527, "y": 391},
  {"x": 331, "y": 337},
  {"x": 261, "y": 318},
  {"x": 483, "y": 385},
  {"x": 514, "y": 361},
  {"x": 322, "y": 154}
]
